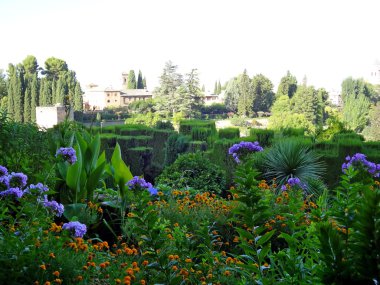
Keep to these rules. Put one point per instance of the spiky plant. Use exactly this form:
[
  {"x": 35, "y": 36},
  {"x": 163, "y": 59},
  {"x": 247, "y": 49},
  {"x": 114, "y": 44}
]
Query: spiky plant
[{"x": 291, "y": 158}]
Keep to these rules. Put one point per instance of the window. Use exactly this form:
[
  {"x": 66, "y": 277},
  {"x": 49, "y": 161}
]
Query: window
[{"x": 108, "y": 101}]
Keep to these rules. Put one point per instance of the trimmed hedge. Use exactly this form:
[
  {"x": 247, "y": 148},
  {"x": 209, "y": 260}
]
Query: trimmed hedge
[
  {"x": 186, "y": 126},
  {"x": 264, "y": 136},
  {"x": 229, "y": 133}
]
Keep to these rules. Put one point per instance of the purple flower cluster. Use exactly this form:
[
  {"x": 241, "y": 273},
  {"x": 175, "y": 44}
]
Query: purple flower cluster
[
  {"x": 68, "y": 154},
  {"x": 138, "y": 183},
  {"x": 293, "y": 181},
  {"x": 78, "y": 229},
  {"x": 17, "y": 192},
  {"x": 38, "y": 188},
  {"x": 16, "y": 180},
  {"x": 360, "y": 160},
  {"x": 242, "y": 147},
  {"x": 54, "y": 206},
  {"x": 11, "y": 184}
]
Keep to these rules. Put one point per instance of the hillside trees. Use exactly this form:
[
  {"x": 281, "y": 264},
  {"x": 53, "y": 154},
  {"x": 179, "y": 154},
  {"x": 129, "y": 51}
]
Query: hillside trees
[
  {"x": 131, "y": 80},
  {"x": 305, "y": 109},
  {"x": 357, "y": 97},
  {"x": 26, "y": 90},
  {"x": 287, "y": 86},
  {"x": 246, "y": 96}
]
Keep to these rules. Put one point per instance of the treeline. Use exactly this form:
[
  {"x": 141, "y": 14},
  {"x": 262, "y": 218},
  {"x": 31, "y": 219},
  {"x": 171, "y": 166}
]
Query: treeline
[
  {"x": 132, "y": 83},
  {"x": 27, "y": 85}
]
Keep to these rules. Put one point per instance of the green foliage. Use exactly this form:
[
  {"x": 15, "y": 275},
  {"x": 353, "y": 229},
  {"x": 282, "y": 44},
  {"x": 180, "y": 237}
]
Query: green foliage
[
  {"x": 287, "y": 86},
  {"x": 372, "y": 131},
  {"x": 80, "y": 179},
  {"x": 140, "y": 83},
  {"x": 349, "y": 241},
  {"x": 131, "y": 80},
  {"x": 262, "y": 90},
  {"x": 186, "y": 126},
  {"x": 193, "y": 170},
  {"x": 229, "y": 133},
  {"x": 355, "y": 111},
  {"x": 175, "y": 145},
  {"x": 164, "y": 125},
  {"x": 289, "y": 158},
  {"x": 264, "y": 136}
]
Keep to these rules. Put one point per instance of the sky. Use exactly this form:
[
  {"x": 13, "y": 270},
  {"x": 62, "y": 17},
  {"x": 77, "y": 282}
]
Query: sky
[{"x": 324, "y": 40}]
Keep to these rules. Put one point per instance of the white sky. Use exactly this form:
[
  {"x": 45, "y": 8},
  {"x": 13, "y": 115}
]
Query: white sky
[{"x": 326, "y": 40}]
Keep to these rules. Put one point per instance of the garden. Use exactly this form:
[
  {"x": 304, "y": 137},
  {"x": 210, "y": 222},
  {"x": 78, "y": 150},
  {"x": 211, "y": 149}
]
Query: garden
[{"x": 139, "y": 205}]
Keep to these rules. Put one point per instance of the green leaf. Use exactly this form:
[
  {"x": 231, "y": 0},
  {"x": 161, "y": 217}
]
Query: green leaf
[
  {"x": 74, "y": 210},
  {"x": 94, "y": 179},
  {"x": 122, "y": 173},
  {"x": 265, "y": 237}
]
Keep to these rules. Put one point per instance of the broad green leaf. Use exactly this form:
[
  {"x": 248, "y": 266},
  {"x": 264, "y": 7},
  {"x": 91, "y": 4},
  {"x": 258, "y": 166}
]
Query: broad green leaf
[{"x": 265, "y": 237}]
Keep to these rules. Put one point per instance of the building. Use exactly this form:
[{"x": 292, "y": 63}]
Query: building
[
  {"x": 99, "y": 98},
  {"x": 335, "y": 97},
  {"x": 48, "y": 117},
  {"x": 375, "y": 73},
  {"x": 213, "y": 98}
]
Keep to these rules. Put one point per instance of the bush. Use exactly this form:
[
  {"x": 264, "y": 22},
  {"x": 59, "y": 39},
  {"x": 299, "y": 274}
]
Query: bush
[
  {"x": 264, "y": 136},
  {"x": 186, "y": 126},
  {"x": 164, "y": 125},
  {"x": 196, "y": 171},
  {"x": 229, "y": 133}
]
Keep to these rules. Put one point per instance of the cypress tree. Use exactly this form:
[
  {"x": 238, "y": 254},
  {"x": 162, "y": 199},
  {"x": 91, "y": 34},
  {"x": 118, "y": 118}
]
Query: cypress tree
[
  {"x": 34, "y": 97},
  {"x": 203, "y": 88},
  {"x": 27, "y": 105},
  {"x": 219, "y": 88},
  {"x": 216, "y": 88},
  {"x": 140, "y": 83},
  {"x": 60, "y": 92},
  {"x": 18, "y": 96},
  {"x": 78, "y": 98},
  {"x": 11, "y": 92},
  {"x": 144, "y": 82},
  {"x": 131, "y": 80}
]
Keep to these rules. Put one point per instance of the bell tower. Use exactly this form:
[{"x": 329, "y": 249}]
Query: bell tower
[{"x": 124, "y": 76}]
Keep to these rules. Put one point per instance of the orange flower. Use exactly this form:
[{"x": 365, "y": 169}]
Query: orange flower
[
  {"x": 174, "y": 268},
  {"x": 117, "y": 281},
  {"x": 227, "y": 273},
  {"x": 43, "y": 266},
  {"x": 56, "y": 273},
  {"x": 58, "y": 281},
  {"x": 142, "y": 282},
  {"x": 188, "y": 260},
  {"x": 79, "y": 278},
  {"x": 52, "y": 255},
  {"x": 145, "y": 262},
  {"x": 47, "y": 283}
]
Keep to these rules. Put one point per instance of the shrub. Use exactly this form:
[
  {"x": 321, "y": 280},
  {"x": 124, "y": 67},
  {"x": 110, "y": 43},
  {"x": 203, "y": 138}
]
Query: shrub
[
  {"x": 264, "y": 136},
  {"x": 229, "y": 133},
  {"x": 196, "y": 171}
]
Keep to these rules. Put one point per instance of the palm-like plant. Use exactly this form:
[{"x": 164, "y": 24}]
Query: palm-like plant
[{"x": 291, "y": 158}]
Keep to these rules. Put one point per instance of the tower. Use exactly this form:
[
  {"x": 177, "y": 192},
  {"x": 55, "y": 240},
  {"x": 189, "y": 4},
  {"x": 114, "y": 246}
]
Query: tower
[{"x": 124, "y": 76}]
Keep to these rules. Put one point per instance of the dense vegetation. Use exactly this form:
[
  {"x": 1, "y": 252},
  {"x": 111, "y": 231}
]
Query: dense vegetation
[{"x": 73, "y": 213}]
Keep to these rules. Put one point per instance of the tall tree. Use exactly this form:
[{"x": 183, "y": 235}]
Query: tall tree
[
  {"x": 262, "y": 93},
  {"x": 140, "y": 83},
  {"x": 60, "y": 92},
  {"x": 245, "y": 101},
  {"x": 131, "y": 80},
  {"x": 232, "y": 94},
  {"x": 18, "y": 93},
  {"x": 144, "y": 82},
  {"x": 287, "y": 86},
  {"x": 355, "y": 111},
  {"x": 203, "y": 88},
  {"x": 191, "y": 98},
  {"x": 216, "y": 88},
  {"x": 30, "y": 64},
  {"x": 219, "y": 89},
  {"x": 356, "y": 87},
  {"x": 170, "y": 81},
  {"x": 3, "y": 85},
  {"x": 27, "y": 105},
  {"x": 34, "y": 100},
  {"x": 78, "y": 98},
  {"x": 54, "y": 67},
  {"x": 11, "y": 90}
]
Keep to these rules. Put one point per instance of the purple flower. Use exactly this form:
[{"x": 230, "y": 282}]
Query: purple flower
[
  {"x": 138, "y": 183},
  {"x": 55, "y": 207},
  {"x": 294, "y": 181},
  {"x": 39, "y": 188},
  {"x": 78, "y": 229},
  {"x": 17, "y": 192},
  {"x": 360, "y": 160},
  {"x": 153, "y": 191},
  {"x": 243, "y": 147},
  {"x": 283, "y": 188},
  {"x": 3, "y": 171},
  {"x": 68, "y": 154},
  {"x": 16, "y": 180}
]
